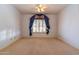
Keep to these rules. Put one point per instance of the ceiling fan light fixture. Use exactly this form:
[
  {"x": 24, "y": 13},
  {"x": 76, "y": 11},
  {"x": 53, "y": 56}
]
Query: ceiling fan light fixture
[{"x": 40, "y": 8}]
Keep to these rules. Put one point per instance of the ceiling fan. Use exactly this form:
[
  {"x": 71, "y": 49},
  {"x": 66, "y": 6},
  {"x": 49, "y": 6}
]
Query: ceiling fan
[{"x": 40, "y": 8}]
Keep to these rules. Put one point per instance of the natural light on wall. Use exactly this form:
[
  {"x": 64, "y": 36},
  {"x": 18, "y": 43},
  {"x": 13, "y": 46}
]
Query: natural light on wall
[
  {"x": 8, "y": 34},
  {"x": 3, "y": 35}
]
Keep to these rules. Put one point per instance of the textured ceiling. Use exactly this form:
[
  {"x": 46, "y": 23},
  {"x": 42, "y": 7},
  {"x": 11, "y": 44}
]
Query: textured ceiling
[{"x": 30, "y": 8}]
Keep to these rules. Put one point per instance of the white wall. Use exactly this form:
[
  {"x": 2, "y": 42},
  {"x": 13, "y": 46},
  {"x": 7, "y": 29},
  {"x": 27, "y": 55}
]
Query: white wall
[
  {"x": 25, "y": 26},
  {"x": 69, "y": 25},
  {"x": 9, "y": 25}
]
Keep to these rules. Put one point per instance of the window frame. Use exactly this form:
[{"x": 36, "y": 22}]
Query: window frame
[{"x": 43, "y": 32}]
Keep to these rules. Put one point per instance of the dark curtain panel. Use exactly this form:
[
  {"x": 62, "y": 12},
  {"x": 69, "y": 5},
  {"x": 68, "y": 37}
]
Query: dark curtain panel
[{"x": 39, "y": 16}]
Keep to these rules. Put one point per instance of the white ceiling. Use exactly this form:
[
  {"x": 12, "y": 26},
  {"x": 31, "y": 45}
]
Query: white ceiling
[{"x": 30, "y": 8}]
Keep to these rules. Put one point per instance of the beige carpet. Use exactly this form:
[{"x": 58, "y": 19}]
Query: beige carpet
[{"x": 42, "y": 46}]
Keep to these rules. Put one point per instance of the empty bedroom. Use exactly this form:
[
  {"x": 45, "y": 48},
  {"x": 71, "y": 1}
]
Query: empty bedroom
[{"x": 39, "y": 29}]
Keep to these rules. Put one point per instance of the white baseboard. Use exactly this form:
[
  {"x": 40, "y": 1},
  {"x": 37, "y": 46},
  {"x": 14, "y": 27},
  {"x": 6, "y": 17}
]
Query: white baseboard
[
  {"x": 38, "y": 37},
  {"x": 9, "y": 42},
  {"x": 63, "y": 39}
]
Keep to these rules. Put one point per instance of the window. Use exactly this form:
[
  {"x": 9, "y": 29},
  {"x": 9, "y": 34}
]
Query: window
[{"x": 39, "y": 25}]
